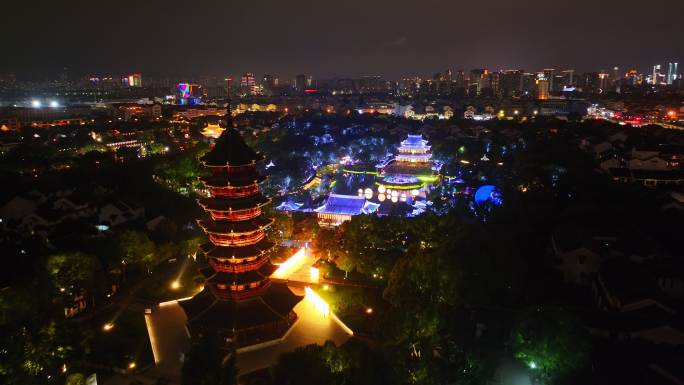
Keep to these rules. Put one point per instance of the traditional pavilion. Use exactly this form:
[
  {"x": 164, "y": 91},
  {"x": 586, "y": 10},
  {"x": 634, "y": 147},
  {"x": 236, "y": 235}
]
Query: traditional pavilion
[
  {"x": 340, "y": 208},
  {"x": 239, "y": 302},
  {"x": 411, "y": 168}
]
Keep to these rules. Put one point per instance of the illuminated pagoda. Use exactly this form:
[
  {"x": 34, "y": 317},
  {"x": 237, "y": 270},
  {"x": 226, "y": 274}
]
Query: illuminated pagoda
[
  {"x": 411, "y": 168},
  {"x": 239, "y": 302},
  {"x": 414, "y": 149}
]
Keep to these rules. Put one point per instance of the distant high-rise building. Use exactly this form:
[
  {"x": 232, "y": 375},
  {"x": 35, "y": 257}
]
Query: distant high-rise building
[
  {"x": 511, "y": 82},
  {"x": 672, "y": 72},
  {"x": 300, "y": 82},
  {"x": 529, "y": 83},
  {"x": 478, "y": 80},
  {"x": 460, "y": 78},
  {"x": 371, "y": 83},
  {"x": 248, "y": 84},
  {"x": 603, "y": 80},
  {"x": 633, "y": 77},
  {"x": 134, "y": 80},
  {"x": 656, "y": 74},
  {"x": 269, "y": 82},
  {"x": 542, "y": 87},
  {"x": 229, "y": 84},
  {"x": 570, "y": 77},
  {"x": 549, "y": 74}
]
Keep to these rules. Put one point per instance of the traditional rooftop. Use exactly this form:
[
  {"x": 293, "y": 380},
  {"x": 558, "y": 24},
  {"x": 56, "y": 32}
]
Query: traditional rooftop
[{"x": 231, "y": 150}]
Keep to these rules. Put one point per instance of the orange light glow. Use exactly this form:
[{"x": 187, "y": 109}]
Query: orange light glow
[
  {"x": 292, "y": 264},
  {"x": 317, "y": 301},
  {"x": 314, "y": 273}
]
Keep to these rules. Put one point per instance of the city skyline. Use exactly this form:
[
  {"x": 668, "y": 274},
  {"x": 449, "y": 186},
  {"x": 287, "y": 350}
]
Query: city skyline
[{"x": 393, "y": 39}]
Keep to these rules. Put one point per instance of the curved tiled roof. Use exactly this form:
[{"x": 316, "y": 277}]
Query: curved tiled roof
[
  {"x": 220, "y": 181},
  {"x": 249, "y": 226},
  {"x": 228, "y": 204},
  {"x": 206, "y": 311},
  {"x": 231, "y": 150}
]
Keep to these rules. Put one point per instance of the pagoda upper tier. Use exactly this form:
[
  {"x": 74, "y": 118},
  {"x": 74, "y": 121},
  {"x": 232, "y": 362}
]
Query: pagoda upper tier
[
  {"x": 414, "y": 149},
  {"x": 231, "y": 150}
]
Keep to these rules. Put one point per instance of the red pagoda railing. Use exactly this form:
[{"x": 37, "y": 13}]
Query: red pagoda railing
[
  {"x": 243, "y": 294},
  {"x": 240, "y": 215},
  {"x": 236, "y": 240},
  {"x": 234, "y": 192},
  {"x": 238, "y": 267}
]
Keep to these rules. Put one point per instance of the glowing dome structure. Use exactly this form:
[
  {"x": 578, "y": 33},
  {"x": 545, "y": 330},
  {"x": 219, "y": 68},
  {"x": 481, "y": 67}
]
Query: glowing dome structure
[{"x": 488, "y": 194}]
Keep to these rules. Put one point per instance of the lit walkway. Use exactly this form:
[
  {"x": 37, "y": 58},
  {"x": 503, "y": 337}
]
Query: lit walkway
[
  {"x": 166, "y": 327},
  {"x": 312, "y": 327}
]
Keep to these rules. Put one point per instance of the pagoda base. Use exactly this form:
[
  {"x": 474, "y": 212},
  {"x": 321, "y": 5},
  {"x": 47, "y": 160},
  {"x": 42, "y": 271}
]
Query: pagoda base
[
  {"x": 265, "y": 316},
  {"x": 262, "y": 335}
]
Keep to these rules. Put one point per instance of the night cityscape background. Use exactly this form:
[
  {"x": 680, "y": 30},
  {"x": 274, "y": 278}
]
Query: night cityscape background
[{"x": 385, "y": 192}]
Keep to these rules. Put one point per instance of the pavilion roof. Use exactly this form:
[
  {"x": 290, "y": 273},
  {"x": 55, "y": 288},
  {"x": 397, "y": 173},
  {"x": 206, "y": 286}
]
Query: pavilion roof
[
  {"x": 414, "y": 141},
  {"x": 343, "y": 204}
]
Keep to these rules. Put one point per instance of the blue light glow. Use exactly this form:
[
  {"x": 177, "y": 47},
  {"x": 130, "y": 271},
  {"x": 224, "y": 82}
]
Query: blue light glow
[{"x": 488, "y": 193}]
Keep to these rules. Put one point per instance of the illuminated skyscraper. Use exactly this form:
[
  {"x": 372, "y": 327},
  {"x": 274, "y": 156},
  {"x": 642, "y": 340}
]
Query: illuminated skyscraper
[
  {"x": 549, "y": 74},
  {"x": 301, "y": 82},
  {"x": 511, "y": 82},
  {"x": 570, "y": 77},
  {"x": 603, "y": 80},
  {"x": 672, "y": 72},
  {"x": 270, "y": 82},
  {"x": 134, "y": 80},
  {"x": 542, "y": 87},
  {"x": 656, "y": 74},
  {"x": 248, "y": 84}
]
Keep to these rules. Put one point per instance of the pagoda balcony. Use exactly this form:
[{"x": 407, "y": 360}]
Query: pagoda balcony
[
  {"x": 230, "y": 267},
  {"x": 226, "y": 293},
  {"x": 240, "y": 215},
  {"x": 234, "y": 192},
  {"x": 235, "y": 239}
]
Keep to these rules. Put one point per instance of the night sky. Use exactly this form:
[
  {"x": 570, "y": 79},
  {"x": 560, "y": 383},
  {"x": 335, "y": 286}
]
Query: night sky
[{"x": 392, "y": 38}]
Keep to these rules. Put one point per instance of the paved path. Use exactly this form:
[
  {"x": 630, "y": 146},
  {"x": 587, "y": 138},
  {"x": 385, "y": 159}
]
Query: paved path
[{"x": 166, "y": 327}]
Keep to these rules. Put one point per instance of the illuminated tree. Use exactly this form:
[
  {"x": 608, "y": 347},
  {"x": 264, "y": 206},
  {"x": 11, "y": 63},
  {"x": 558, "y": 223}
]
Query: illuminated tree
[
  {"x": 34, "y": 343},
  {"x": 75, "y": 379},
  {"x": 79, "y": 270},
  {"x": 550, "y": 341},
  {"x": 136, "y": 248}
]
